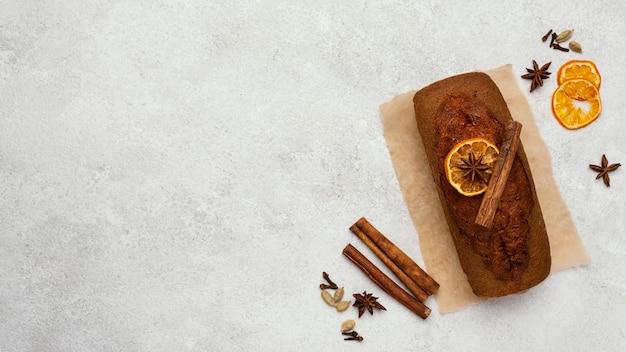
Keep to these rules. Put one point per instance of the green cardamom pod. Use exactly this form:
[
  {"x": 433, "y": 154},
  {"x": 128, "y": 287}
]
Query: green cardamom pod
[
  {"x": 575, "y": 47},
  {"x": 343, "y": 305},
  {"x": 338, "y": 294},
  {"x": 565, "y": 35},
  {"x": 328, "y": 298},
  {"x": 348, "y": 325}
]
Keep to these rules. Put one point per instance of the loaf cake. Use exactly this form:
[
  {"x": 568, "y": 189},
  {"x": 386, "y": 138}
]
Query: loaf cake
[{"x": 512, "y": 255}]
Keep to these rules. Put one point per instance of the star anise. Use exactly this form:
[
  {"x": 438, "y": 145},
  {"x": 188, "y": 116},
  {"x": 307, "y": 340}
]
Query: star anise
[
  {"x": 604, "y": 170},
  {"x": 474, "y": 168},
  {"x": 367, "y": 302},
  {"x": 537, "y": 75}
]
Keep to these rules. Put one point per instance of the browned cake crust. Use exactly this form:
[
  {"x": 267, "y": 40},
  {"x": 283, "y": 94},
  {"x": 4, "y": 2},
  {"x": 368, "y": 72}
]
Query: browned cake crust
[{"x": 515, "y": 254}]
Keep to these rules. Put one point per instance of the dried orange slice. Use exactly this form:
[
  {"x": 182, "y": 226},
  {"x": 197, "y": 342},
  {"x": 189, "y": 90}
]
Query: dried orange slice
[
  {"x": 469, "y": 165},
  {"x": 579, "y": 69},
  {"x": 568, "y": 99}
]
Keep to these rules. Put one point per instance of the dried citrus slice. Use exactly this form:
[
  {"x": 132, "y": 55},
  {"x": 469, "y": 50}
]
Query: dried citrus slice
[
  {"x": 579, "y": 69},
  {"x": 568, "y": 99},
  {"x": 469, "y": 165}
]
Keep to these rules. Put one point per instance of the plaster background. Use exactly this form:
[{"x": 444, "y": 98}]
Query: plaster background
[{"x": 175, "y": 176}]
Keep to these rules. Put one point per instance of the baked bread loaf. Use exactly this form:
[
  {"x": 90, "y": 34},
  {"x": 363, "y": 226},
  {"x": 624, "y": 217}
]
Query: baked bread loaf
[{"x": 514, "y": 254}]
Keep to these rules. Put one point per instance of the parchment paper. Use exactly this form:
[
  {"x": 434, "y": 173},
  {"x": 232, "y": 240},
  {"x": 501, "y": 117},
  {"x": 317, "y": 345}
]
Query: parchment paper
[{"x": 418, "y": 189}]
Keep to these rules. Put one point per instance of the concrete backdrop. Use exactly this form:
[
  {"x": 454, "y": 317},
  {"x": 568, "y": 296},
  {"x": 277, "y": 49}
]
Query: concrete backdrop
[{"x": 176, "y": 175}]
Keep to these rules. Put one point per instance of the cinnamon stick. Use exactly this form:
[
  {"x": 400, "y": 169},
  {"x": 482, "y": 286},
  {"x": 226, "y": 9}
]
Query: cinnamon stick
[
  {"x": 397, "y": 256},
  {"x": 417, "y": 291},
  {"x": 491, "y": 199},
  {"x": 385, "y": 283}
]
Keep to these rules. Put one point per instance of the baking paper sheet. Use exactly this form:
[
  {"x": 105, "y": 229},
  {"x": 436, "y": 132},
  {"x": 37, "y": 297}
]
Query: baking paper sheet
[{"x": 418, "y": 188}]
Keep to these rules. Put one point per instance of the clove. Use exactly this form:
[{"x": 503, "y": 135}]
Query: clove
[
  {"x": 556, "y": 46},
  {"x": 331, "y": 285},
  {"x": 545, "y": 37},
  {"x": 354, "y": 336},
  {"x": 552, "y": 39}
]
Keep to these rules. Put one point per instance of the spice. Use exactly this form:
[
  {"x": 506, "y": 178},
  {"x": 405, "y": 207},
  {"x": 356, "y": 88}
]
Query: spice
[
  {"x": 338, "y": 294},
  {"x": 328, "y": 298},
  {"x": 385, "y": 282},
  {"x": 409, "y": 272},
  {"x": 366, "y": 301},
  {"x": 604, "y": 170},
  {"x": 508, "y": 151},
  {"x": 561, "y": 38},
  {"x": 354, "y": 336},
  {"x": 330, "y": 285},
  {"x": 564, "y": 36},
  {"x": 347, "y": 325},
  {"x": 342, "y": 306},
  {"x": 537, "y": 74},
  {"x": 575, "y": 47},
  {"x": 474, "y": 167},
  {"x": 552, "y": 39}
]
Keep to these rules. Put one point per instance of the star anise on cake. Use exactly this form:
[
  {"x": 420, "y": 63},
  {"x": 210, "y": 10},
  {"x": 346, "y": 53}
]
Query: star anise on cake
[
  {"x": 537, "y": 74},
  {"x": 604, "y": 170},
  {"x": 366, "y": 301},
  {"x": 474, "y": 168}
]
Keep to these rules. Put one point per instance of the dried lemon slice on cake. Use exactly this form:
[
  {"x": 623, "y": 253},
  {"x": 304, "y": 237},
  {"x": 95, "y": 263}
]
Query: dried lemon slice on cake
[
  {"x": 579, "y": 69},
  {"x": 469, "y": 165},
  {"x": 576, "y": 103}
]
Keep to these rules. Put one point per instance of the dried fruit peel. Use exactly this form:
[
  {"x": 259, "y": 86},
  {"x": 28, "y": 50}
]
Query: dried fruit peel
[
  {"x": 579, "y": 69},
  {"x": 567, "y": 112},
  {"x": 462, "y": 175}
]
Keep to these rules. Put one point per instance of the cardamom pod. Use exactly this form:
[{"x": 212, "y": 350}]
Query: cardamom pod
[
  {"x": 338, "y": 294},
  {"x": 348, "y": 325},
  {"x": 328, "y": 298},
  {"x": 575, "y": 47},
  {"x": 342, "y": 306},
  {"x": 565, "y": 35}
]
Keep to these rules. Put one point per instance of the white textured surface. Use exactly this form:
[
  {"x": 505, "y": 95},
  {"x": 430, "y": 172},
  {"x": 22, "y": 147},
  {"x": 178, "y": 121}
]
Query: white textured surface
[{"x": 176, "y": 175}]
